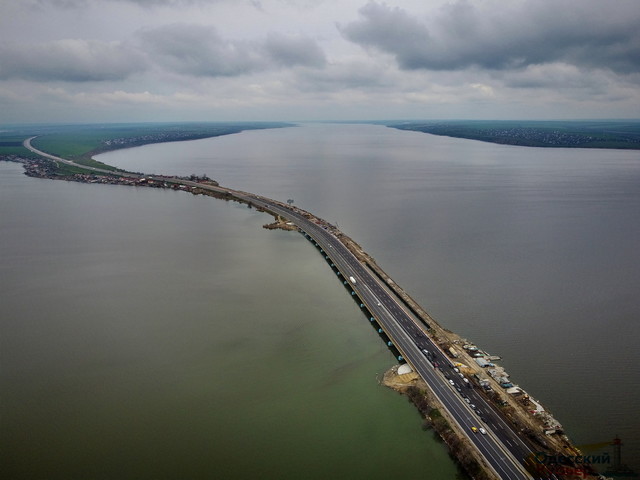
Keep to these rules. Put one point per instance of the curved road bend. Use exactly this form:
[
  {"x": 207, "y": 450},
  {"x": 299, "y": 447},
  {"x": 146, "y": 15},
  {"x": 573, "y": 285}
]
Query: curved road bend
[
  {"x": 501, "y": 446},
  {"x": 28, "y": 146}
]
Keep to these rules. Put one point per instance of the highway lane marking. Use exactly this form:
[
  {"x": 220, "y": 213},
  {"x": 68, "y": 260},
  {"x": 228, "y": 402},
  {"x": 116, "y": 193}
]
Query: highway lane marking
[{"x": 450, "y": 400}]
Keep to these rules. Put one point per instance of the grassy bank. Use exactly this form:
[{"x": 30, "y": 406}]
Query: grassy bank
[
  {"x": 12, "y": 145},
  {"x": 80, "y": 143}
]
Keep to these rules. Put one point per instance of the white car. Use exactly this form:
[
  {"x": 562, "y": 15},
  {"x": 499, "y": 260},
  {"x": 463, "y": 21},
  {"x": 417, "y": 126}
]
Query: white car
[{"x": 482, "y": 431}]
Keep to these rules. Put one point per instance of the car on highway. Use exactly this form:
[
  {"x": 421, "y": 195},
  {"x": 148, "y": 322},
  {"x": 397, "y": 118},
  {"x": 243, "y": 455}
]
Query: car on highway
[
  {"x": 474, "y": 429},
  {"x": 483, "y": 431}
]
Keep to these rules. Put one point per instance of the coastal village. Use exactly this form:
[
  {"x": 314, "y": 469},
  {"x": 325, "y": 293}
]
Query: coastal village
[{"x": 44, "y": 168}]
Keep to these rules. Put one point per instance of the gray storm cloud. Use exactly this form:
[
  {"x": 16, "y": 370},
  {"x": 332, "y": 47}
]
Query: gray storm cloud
[
  {"x": 293, "y": 58},
  {"x": 200, "y": 51},
  {"x": 292, "y": 51},
  {"x": 194, "y": 50},
  {"x": 70, "y": 60},
  {"x": 501, "y": 36},
  {"x": 142, "y": 3}
]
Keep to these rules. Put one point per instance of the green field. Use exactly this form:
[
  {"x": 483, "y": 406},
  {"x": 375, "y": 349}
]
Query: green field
[
  {"x": 617, "y": 134},
  {"x": 12, "y": 145},
  {"x": 80, "y": 142}
]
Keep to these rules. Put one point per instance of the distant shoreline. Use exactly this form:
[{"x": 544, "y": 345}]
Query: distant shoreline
[
  {"x": 80, "y": 144},
  {"x": 616, "y": 135}
]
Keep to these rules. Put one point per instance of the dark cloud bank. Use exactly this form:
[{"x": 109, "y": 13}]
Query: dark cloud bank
[
  {"x": 199, "y": 50},
  {"x": 505, "y": 35},
  {"x": 195, "y": 50},
  {"x": 69, "y": 60}
]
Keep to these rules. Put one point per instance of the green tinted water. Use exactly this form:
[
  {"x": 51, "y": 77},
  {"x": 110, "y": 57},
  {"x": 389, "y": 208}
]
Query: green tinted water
[{"x": 153, "y": 334}]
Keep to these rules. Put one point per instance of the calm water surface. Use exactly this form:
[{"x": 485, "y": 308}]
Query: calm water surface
[
  {"x": 532, "y": 253},
  {"x": 150, "y": 334}
]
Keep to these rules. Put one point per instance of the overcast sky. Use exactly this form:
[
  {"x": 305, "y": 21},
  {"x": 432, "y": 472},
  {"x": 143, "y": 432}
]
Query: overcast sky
[{"x": 168, "y": 60}]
